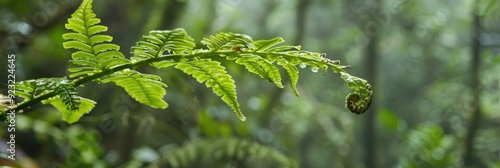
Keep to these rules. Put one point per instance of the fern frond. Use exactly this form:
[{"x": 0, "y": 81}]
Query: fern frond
[
  {"x": 158, "y": 42},
  {"x": 207, "y": 150},
  {"x": 144, "y": 88},
  {"x": 263, "y": 45},
  {"x": 359, "y": 101},
  {"x": 284, "y": 48},
  {"x": 71, "y": 116},
  {"x": 67, "y": 92},
  {"x": 94, "y": 52},
  {"x": 293, "y": 73},
  {"x": 261, "y": 67},
  {"x": 227, "y": 41},
  {"x": 30, "y": 89},
  {"x": 215, "y": 76}
]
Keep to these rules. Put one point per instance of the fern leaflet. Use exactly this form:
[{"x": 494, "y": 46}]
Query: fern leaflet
[
  {"x": 67, "y": 92},
  {"x": 30, "y": 89},
  {"x": 293, "y": 73},
  {"x": 263, "y": 45},
  {"x": 71, "y": 116},
  {"x": 261, "y": 67},
  {"x": 158, "y": 42},
  {"x": 94, "y": 50},
  {"x": 215, "y": 76},
  {"x": 144, "y": 88},
  {"x": 227, "y": 41}
]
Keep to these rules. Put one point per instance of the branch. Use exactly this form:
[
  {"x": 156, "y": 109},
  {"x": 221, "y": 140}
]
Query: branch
[{"x": 77, "y": 82}]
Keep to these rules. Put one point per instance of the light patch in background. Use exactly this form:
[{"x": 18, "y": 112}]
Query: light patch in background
[{"x": 254, "y": 103}]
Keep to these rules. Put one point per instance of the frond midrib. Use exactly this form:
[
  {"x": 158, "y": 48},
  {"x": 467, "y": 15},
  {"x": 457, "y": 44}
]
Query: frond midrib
[
  {"x": 87, "y": 27},
  {"x": 210, "y": 54}
]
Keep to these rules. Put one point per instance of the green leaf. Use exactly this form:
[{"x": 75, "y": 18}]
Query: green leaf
[
  {"x": 144, "y": 88},
  {"x": 261, "y": 67},
  {"x": 227, "y": 41},
  {"x": 67, "y": 92},
  {"x": 77, "y": 45},
  {"x": 164, "y": 64},
  {"x": 175, "y": 41},
  {"x": 293, "y": 73},
  {"x": 100, "y": 39},
  {"x": 215, "y": 76},
  {"x": 284, "y": 48},
  {"x": 30, "y": 89},
  {"x": 71, "y": 116},
  {"x": 263, "y": 45},
  {"x": 388, "y": 119},
  {"x": 94, "y": 52}
]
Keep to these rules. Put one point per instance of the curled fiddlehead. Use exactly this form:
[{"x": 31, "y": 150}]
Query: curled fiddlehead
[{"x": 359, "y": 101}]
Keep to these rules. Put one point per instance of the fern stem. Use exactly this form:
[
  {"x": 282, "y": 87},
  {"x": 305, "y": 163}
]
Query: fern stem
[{"x": 211, "y": 54}]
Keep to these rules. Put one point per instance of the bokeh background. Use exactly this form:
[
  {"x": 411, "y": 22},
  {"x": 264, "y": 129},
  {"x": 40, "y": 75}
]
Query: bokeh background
[{"x": 434, "y": 67}]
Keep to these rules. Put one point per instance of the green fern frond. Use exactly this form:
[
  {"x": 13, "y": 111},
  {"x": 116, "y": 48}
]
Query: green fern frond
[
  {"x": 206, "y": 150},
  {"x": 215, "y": 76},
  {"x": 293, "y": 73},
  {"x": 158, "y": 42},
  {"x": 227, "y": 41},
  {"x": 30, "y": 89},
  {"x": 284, "y": 48},
  {"x": 144, "y": 88},
  {"x": 95, "y": 58},
  {"x": 261, "y": 67},
  {"x": 359, "y": 101},
  {"x": 71, "y": 116},
  {"x": 94, "y": 52},
  {"x": 67, "y": 92},
  {"x": 263, "y": 45}
]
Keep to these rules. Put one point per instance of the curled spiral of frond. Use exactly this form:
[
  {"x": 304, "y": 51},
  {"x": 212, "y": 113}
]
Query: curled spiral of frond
[{"x": 359, "y": 101}]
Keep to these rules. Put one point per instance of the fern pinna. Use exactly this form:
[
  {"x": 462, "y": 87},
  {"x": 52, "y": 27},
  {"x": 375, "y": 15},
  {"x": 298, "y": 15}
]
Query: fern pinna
[{"x": 95, "y": 58}]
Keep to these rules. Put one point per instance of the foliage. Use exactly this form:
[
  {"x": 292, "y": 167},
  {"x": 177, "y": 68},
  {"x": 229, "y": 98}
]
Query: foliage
[
  {"x": 428, "y": 147},
  {"x": 95, "y": 58},
  {"x": 421, "y": 81},
  {"x": 203, "y": 152}
]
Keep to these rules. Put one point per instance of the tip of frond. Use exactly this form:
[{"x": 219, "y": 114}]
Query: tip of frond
[{"x": 242, "y": 118}]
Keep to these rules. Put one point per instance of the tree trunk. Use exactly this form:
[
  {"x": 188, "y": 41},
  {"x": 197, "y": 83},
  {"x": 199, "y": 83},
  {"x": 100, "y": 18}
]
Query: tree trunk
[
  {"x": 469, "y": 158},
  {"x": 371, "y": 64}
]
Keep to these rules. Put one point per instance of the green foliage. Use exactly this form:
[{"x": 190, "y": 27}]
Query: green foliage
[
  {"x": 427, "y": 148},
  {"x": 96, "y": 59},
  {"x": 94, "y": 52},
  {"x": 72, "y": 115},
  {"x": 227, "y": 41},
  {"x": 79, "y": 147},
  {"x": 215, "y": 76},
  {"x": 69, "y": 96},
  {"x": 206, "y": 150},
  {"x": 359, "y": 101},
  {"x": 145, "y": 88},
  {"x": 30, "y": 89},
  {"x": 65, "y": 98},
  {"x": 293, "y": 73},
  {"x": 261, "y": 67},
  {"x": 158, "y": 42}
]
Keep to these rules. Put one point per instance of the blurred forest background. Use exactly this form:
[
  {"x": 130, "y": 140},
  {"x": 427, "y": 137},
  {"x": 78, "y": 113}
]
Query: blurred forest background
[{"x": 434, "y": 66}]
